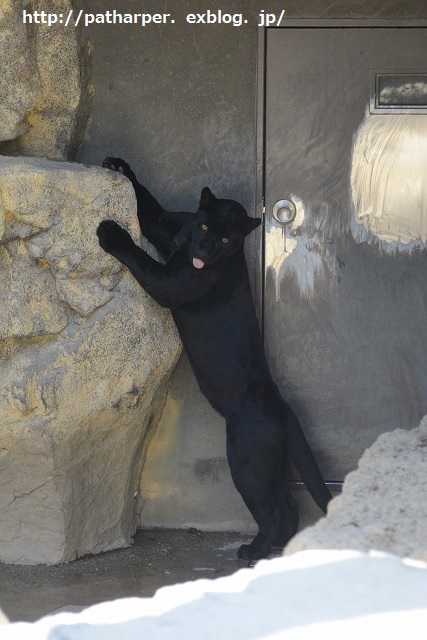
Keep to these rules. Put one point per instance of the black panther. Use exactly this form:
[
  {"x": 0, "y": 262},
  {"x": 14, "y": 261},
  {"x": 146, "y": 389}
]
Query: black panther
[{"x": 205, "y": 284}]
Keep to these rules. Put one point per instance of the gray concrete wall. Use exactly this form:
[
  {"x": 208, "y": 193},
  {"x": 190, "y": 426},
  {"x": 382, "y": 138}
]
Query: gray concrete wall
[{"x": 179, "y": 103}]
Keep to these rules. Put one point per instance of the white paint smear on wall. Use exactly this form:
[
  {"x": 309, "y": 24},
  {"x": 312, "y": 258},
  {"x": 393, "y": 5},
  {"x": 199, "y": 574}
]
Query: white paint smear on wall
[
  {"x": 298, "y": 256},
  {"x": 389, "y": 181},
  {"x": 389, "y": 196}
]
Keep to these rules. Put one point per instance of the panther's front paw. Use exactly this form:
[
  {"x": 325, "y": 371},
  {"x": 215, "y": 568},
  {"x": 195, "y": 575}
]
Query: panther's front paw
[
  {"x": 119, "y": 165},
  {"x": 113, "y": 238}
]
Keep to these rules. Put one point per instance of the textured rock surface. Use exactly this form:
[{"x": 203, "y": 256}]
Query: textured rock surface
[
  {"x": 44, "y": 89},
  {"x": 3, "y": 619},
  {"x": 18, "y": 71},
  {"x": 383, "y": 503},
  {"x": 85, "y": 356}
]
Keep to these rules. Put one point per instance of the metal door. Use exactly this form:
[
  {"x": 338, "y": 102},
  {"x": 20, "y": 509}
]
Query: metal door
[{"x": 345, "y": 142}]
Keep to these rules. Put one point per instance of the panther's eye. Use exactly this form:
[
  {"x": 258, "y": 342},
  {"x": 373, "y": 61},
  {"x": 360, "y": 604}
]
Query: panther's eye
[
  {"x": 225, "y": 241},
  {"x": 204, "y": 227}
]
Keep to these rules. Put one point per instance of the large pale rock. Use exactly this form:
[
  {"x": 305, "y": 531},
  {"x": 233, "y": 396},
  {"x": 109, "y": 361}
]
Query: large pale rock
[
  {"x": 383, "y": 504},
  {"x": 19, "y": 80},
  {"x": 85, "y": 357},
  {"x": 44, "y": 87}
]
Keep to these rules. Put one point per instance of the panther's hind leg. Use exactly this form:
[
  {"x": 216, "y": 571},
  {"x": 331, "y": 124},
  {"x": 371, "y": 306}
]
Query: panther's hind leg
[
  {"x": 254, "y": 473},
  {"x": 287, "y": 514}
]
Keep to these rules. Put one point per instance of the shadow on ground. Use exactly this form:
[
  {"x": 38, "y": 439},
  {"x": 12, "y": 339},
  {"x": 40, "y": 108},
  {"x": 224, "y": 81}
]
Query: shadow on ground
[{"x": 157, "y": 558}]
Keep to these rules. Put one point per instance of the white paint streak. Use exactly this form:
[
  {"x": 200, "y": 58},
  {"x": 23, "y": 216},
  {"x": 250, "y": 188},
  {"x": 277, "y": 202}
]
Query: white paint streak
[
  {"x": 298, "y": 257},
  {"x": 389, "y": 181}
]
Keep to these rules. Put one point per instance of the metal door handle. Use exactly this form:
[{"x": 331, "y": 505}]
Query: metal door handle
[{"x": 284, "y": 211}]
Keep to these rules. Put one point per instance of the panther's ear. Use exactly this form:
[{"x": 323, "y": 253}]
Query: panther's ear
[
  {"x": 207, "y": 198},
  {"x": 250, "y": 224}
]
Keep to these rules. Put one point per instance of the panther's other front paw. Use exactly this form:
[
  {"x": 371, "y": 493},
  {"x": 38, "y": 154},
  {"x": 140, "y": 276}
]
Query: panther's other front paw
[
  {"x": 119, "y": 165},
  {"x": 113, "y": 238}
]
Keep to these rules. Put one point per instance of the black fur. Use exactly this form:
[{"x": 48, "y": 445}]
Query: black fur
[{"x": 205, "y": 284}]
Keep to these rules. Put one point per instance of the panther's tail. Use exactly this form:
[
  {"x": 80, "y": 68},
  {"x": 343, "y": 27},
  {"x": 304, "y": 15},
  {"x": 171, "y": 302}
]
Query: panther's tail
[{"x": 304, "y": 460}]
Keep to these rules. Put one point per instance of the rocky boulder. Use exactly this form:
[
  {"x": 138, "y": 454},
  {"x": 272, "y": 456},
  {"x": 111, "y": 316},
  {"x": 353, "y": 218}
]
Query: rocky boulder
[
  {"x": 85, "y": 357},
  {"x": 382, "y": 505},
  {"x": 18, "y": 64},
  {"x": 3, "y": 619},
  {"x": 45, "y": 92}
]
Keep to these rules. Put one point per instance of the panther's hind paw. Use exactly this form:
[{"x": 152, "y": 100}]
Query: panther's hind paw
[
  {"x": 252, "y": 552},
  {"x": 119, "y": 165}
]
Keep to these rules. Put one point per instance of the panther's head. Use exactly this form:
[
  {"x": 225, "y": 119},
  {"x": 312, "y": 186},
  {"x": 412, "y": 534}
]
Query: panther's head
[{"x": 218, "y": 229}]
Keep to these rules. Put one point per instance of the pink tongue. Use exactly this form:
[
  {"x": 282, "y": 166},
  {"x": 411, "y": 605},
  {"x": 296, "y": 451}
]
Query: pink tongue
[{"x": 198, "y": 263}]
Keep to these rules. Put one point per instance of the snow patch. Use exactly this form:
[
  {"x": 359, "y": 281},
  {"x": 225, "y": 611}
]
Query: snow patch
[{"x": 312, "y": 594}]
